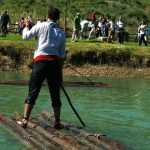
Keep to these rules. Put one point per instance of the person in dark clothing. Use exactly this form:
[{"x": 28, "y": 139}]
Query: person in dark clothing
[
  {"x": 121, "y": 30},
  {"x": 5, "y": 20}
]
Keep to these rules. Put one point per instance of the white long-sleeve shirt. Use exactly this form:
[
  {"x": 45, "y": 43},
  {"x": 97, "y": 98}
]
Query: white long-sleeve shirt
[
  {"x": 120, "y": 24},
  {"x": 142, "y": 29},
  {"x": 51, "y": 40}
]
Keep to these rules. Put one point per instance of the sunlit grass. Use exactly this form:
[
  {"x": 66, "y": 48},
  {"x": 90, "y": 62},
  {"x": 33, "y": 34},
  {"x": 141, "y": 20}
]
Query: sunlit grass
[
  {"x": 16, "y": 38},
  {"x": 84, "y": 45}
]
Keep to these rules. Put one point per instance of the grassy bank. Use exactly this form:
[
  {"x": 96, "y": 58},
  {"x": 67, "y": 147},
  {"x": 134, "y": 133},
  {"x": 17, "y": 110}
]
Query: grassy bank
[{"x": 17, "y": 54}]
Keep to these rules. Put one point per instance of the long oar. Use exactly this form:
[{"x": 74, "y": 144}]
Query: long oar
[
  {"x": 81, "y": 74},
  {"x": 96, "y": 84},
  {"x": 68, "y": 98}
]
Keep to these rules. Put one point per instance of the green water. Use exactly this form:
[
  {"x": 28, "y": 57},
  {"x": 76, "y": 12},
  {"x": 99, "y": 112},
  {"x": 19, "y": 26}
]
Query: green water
[{"x": 121, "y": 112}]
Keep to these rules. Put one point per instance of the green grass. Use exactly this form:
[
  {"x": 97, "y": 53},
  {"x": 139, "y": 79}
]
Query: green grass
[
  {"x": 17, "y": 39},
  {"x": 80, "y": 53},
  {"x": 83, "y": 45}
]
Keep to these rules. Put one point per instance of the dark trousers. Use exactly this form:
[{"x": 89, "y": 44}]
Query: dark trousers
[
  {"x": 142, "y": 38},
  {"x": 4, "y": 29},
  {"x": 121, "y": 36},
  {"x": 45, "y": 70}
]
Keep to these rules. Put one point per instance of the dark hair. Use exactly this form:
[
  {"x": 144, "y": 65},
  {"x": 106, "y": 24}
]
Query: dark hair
[{"x": 53, "y": 13}]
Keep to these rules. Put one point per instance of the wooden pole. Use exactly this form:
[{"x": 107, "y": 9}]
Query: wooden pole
[{"x": 74, "y": 110}]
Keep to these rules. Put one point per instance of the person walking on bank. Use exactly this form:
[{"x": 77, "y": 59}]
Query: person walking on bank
[
  {"x": 48, "y": 60},
  {"x": 5, "y": 20},
  {"x": 77, "y": 28}
]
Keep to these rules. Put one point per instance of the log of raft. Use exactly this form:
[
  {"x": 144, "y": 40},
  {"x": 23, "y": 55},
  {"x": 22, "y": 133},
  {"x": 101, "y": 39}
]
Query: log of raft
[
  {"x": 7, "y": 126},
  {"x": 23, "y": 133},
  {"x": 41, "y": 135},
  {"x": 97, "y": 139},
  {"x": 66, "y": 83}
]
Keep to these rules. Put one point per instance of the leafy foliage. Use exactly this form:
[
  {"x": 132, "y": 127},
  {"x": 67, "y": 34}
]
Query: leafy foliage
[{"x": 133, "y": 11}]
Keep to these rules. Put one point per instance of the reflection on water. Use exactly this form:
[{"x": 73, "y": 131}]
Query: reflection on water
[{"x": 121, "y": 112}]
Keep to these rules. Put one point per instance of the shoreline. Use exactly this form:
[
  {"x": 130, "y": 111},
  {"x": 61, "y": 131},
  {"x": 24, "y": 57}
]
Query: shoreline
[
  {"x": 95, "y": 70},
  {"x": 109, "y": 71}
]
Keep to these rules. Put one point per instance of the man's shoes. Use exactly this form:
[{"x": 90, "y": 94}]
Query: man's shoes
[
  {"x": 58, "y": 126},
  {"x": 23, "y": 122}
]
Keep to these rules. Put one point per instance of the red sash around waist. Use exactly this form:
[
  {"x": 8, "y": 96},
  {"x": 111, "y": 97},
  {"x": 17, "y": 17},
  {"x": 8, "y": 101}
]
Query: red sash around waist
[{"x": 46, "y": 57}]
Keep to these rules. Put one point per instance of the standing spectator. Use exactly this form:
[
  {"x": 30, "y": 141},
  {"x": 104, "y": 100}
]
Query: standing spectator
[
  {"x": 77, "y": 28},
  {"x": 93, "y": 16},
  {"x": 99, "y": 25},
  {"x": 112, "y": 29},
  {"x": 142, "y": 33},
  {"x": 84, "y": 27},
  {"x": 121, "y": 30},
  {"x": 148, "y": 32},
  {"x": 31, "y": 21},
  {"x": 5, "y": 21},
  {"x": 21, "y": 25},
  {"x": 103, "y": 28},
  {"x": 92, "y": 32}
]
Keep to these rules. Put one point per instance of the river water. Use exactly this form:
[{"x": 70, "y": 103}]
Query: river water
[{"x": 121, "y": 112}]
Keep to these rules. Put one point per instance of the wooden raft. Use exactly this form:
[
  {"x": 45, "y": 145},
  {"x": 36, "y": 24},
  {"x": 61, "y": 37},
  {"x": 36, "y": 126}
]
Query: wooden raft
[{"x": 40, "y": 135}]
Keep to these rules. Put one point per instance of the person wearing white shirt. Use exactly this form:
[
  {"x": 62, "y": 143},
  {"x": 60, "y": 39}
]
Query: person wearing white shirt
[
  {"x": 48, "y": 58},
  {"x": 84, "y": 27},
  {"x": 142, "y": 30},
  {"x": 92, "y": 31},
  {"x": 112, "y": 28},
  {"x": 121, "y": 30}
]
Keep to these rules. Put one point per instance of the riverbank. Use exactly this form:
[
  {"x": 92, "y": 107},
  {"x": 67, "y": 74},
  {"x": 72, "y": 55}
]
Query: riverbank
[
  {"x": 108, "y": 71},
  {"x": 93, "y": 70},
  {"x": 90, "y": 58}
]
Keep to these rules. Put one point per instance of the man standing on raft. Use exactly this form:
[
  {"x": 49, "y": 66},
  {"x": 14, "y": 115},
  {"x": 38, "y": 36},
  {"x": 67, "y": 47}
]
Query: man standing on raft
[{"x": 48, "y": 60}]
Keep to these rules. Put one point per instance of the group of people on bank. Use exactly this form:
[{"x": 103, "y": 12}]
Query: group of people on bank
[
  {"x": 100, "y": 27},
  {"x": 19, "y": 24},
  {"x": 105, "y": 28}
]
